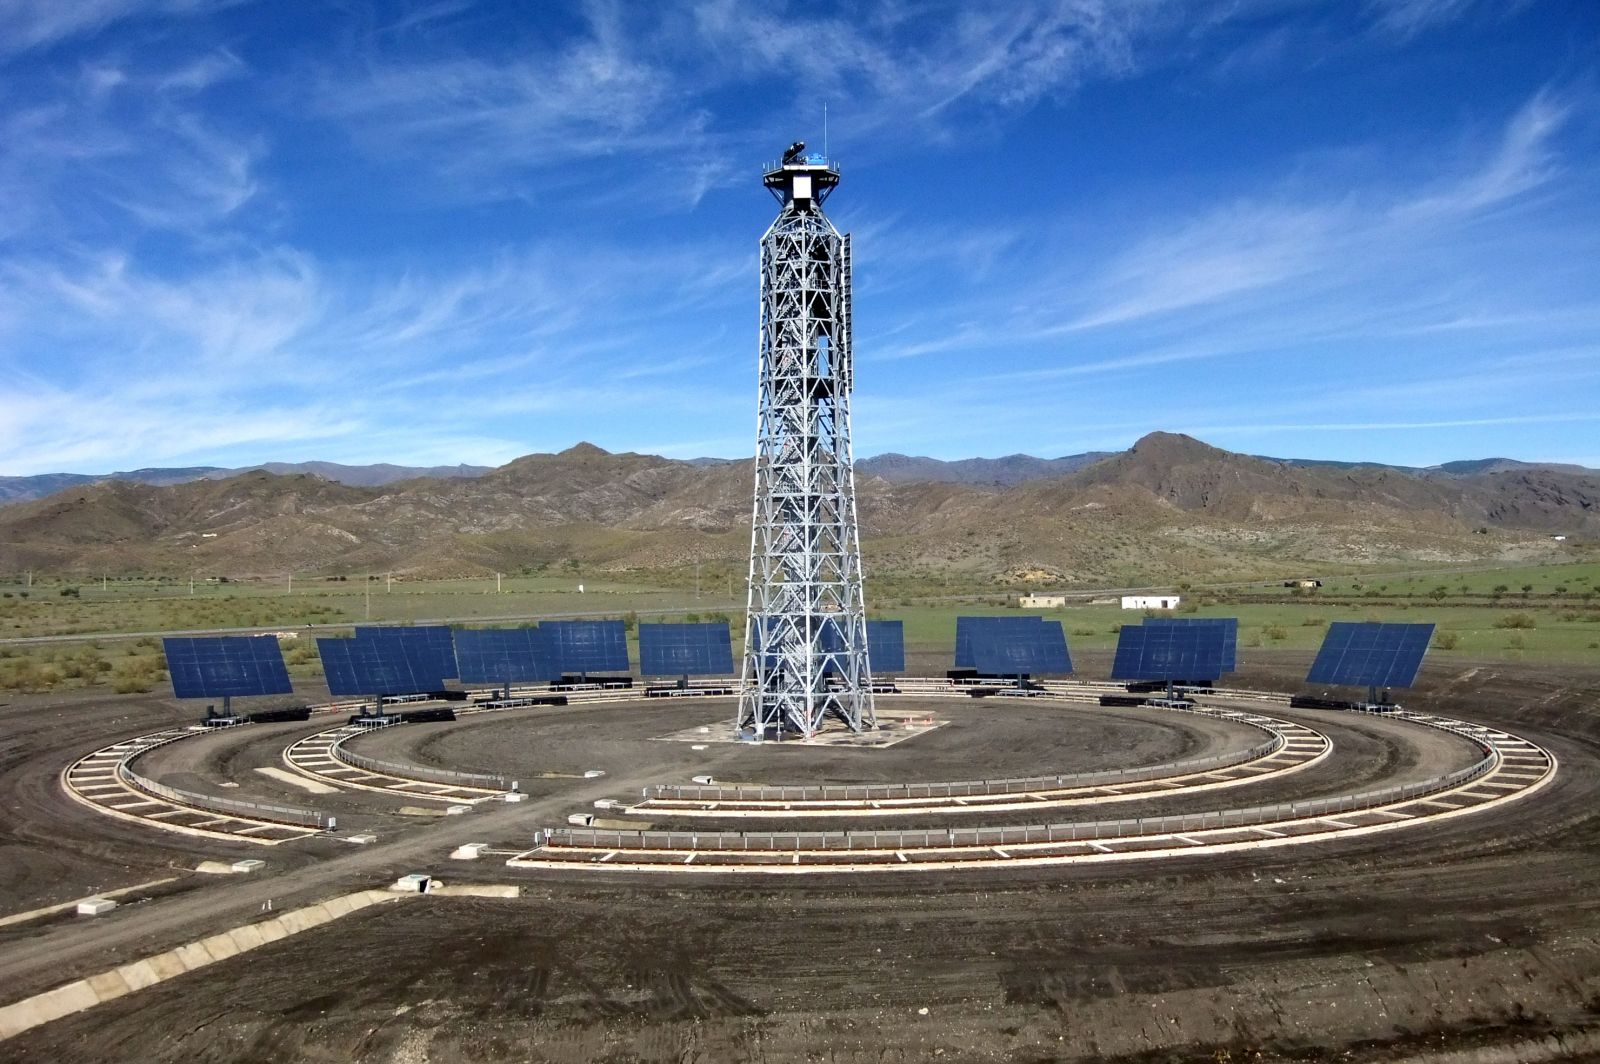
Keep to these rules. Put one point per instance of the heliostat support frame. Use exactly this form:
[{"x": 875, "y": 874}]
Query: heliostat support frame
[{"x": 806, "y": 638}]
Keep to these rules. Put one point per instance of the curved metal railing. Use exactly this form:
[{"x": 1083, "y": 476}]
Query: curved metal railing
[{"x": 211, "y": 803}]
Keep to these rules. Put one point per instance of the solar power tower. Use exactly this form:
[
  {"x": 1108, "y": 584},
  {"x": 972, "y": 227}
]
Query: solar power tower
[{"x": 806, "y": 634}]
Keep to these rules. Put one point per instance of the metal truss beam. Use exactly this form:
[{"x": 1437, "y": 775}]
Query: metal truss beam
[{"x": 806, "y": 636}]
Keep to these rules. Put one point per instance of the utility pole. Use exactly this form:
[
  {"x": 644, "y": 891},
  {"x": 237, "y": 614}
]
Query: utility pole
[
  {"x": 697, "y": 581},
  {"x": 497, "y": 583},
  {"x": 388, "y": 583},
  {"x": 369, "y": 596},
  {"x": 291, "y": 583}
]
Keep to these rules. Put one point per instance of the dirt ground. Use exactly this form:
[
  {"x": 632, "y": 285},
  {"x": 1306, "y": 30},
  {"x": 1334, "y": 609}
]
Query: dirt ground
[
  {"x": 1476, "y": 939},
  {"x": 982, "y": 740}
]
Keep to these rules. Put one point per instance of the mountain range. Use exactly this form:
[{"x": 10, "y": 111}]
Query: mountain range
[
  {"x": 1168, "y": 507},
  {"x": 21, "y": 489},
  {"x": 1005, "y": 472}
]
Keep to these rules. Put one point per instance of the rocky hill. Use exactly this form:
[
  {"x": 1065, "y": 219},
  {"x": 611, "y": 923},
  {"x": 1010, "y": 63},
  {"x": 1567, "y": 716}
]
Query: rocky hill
[
  {"x": 1169, "y": 505},
  {"x": 1005, "y": 472},
  {"x": 21, "y": 489}
]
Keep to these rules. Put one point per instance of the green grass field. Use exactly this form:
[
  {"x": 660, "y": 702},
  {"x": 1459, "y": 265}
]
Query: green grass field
[
  {"x": 152, "y": 606},
  {"x": 1579, "y": 581},
  {"x": 1542, "y": 614},
  {"x": 1480, "y": 633}
]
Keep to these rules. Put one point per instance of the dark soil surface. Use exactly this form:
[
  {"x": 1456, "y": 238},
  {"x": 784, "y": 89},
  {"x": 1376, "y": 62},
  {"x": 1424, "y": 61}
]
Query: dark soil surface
[
  {"x": 1473, "y": 939},
  {"x": 983, "y": 740}
]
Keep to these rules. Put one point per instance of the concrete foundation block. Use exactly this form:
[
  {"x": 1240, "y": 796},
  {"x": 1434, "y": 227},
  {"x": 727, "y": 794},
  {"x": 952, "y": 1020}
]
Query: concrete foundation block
[
  {"x": 250, "y": 864},
  {"x": 95, "y": 906},
  {"x": 470, "y": 851},
  {"x": 192, "y": 956},
  {"x": 298, "y": 920},
  {"x": 108, "y": 986},
  {"x": 14, "y": 1019},
  {"x": 246, "y": 937},
  {"x": 270, "y": 930},
  {"x": 139, "y": 974},
  {"x": 166, "y": 965},
  {"x": 74, "y": 997},
  {"x": 221, "y": 947}
]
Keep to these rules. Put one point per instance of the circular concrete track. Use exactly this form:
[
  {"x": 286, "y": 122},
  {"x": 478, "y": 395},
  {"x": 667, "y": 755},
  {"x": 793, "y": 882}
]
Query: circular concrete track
[
  {"x": 1289, "y": 747},
  {"x": 1511, "y": 768},
  {"x": 321, "y": 756},
  {"x": 104, "y": 781}
]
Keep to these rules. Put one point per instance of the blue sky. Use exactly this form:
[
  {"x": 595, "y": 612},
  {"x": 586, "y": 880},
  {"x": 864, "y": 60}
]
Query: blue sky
[{"x": 235, "y": 232}]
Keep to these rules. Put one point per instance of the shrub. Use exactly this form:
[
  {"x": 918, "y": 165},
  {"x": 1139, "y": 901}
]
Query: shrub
[
  {"x": 1517, "y": 620},
  {"x": 1274, "y": 633},
  {"x": 1516, "y": 642},
  {"x": 1314, "y": 622},
  {"x": 1446, "y": 640}
]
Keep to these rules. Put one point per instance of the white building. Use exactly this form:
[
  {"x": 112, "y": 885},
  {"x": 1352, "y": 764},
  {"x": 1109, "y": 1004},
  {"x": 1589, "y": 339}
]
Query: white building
[
  {"x": 1042, "y": 602},
  {"x": 1150, "y": 602}
]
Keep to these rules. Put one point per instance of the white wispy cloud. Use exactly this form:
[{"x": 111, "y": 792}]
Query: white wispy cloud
[
  {"x": 1523, "y": 160},
  {"x": 1241, "y": 248},
  {"x": 31, "y": 24},
  {"x": 649, "y": 88},
  {"x": 352, "y": 353},
  {"x": 1268, "y": 268},
  {"x": 117, "y": 147},
  {"x": 1407, "y": 18},
  {"x": 1369, "y": 424},
  {"x": 503, "y": 119}
]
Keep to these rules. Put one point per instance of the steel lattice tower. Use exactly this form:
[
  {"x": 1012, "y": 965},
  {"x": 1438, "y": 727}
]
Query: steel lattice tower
[{"x": 806, "y": 634}]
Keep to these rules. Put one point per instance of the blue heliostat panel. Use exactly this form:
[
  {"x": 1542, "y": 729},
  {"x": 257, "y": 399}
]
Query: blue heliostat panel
[
  {"x": 227, "y": 665},
  {"x": 1370, "y": 654},
  {"x": 430, "y": 647},
  {"x": 366, "y": 667},
  {"x": 886, "y": 647},
  {"x": 1001, "y": 650},
  {"x": 1230, "y": 637},
  {"x": 504, "y": 655},
  {"x": 1169, "y": 652},
  {"x": 685, "y": 649},
  {"x": 967, "y": 628},
  {"x": 587, "y": 646}
]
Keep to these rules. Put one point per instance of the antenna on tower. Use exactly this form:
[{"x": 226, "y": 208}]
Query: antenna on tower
[{"x": 825, "y": 130}]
